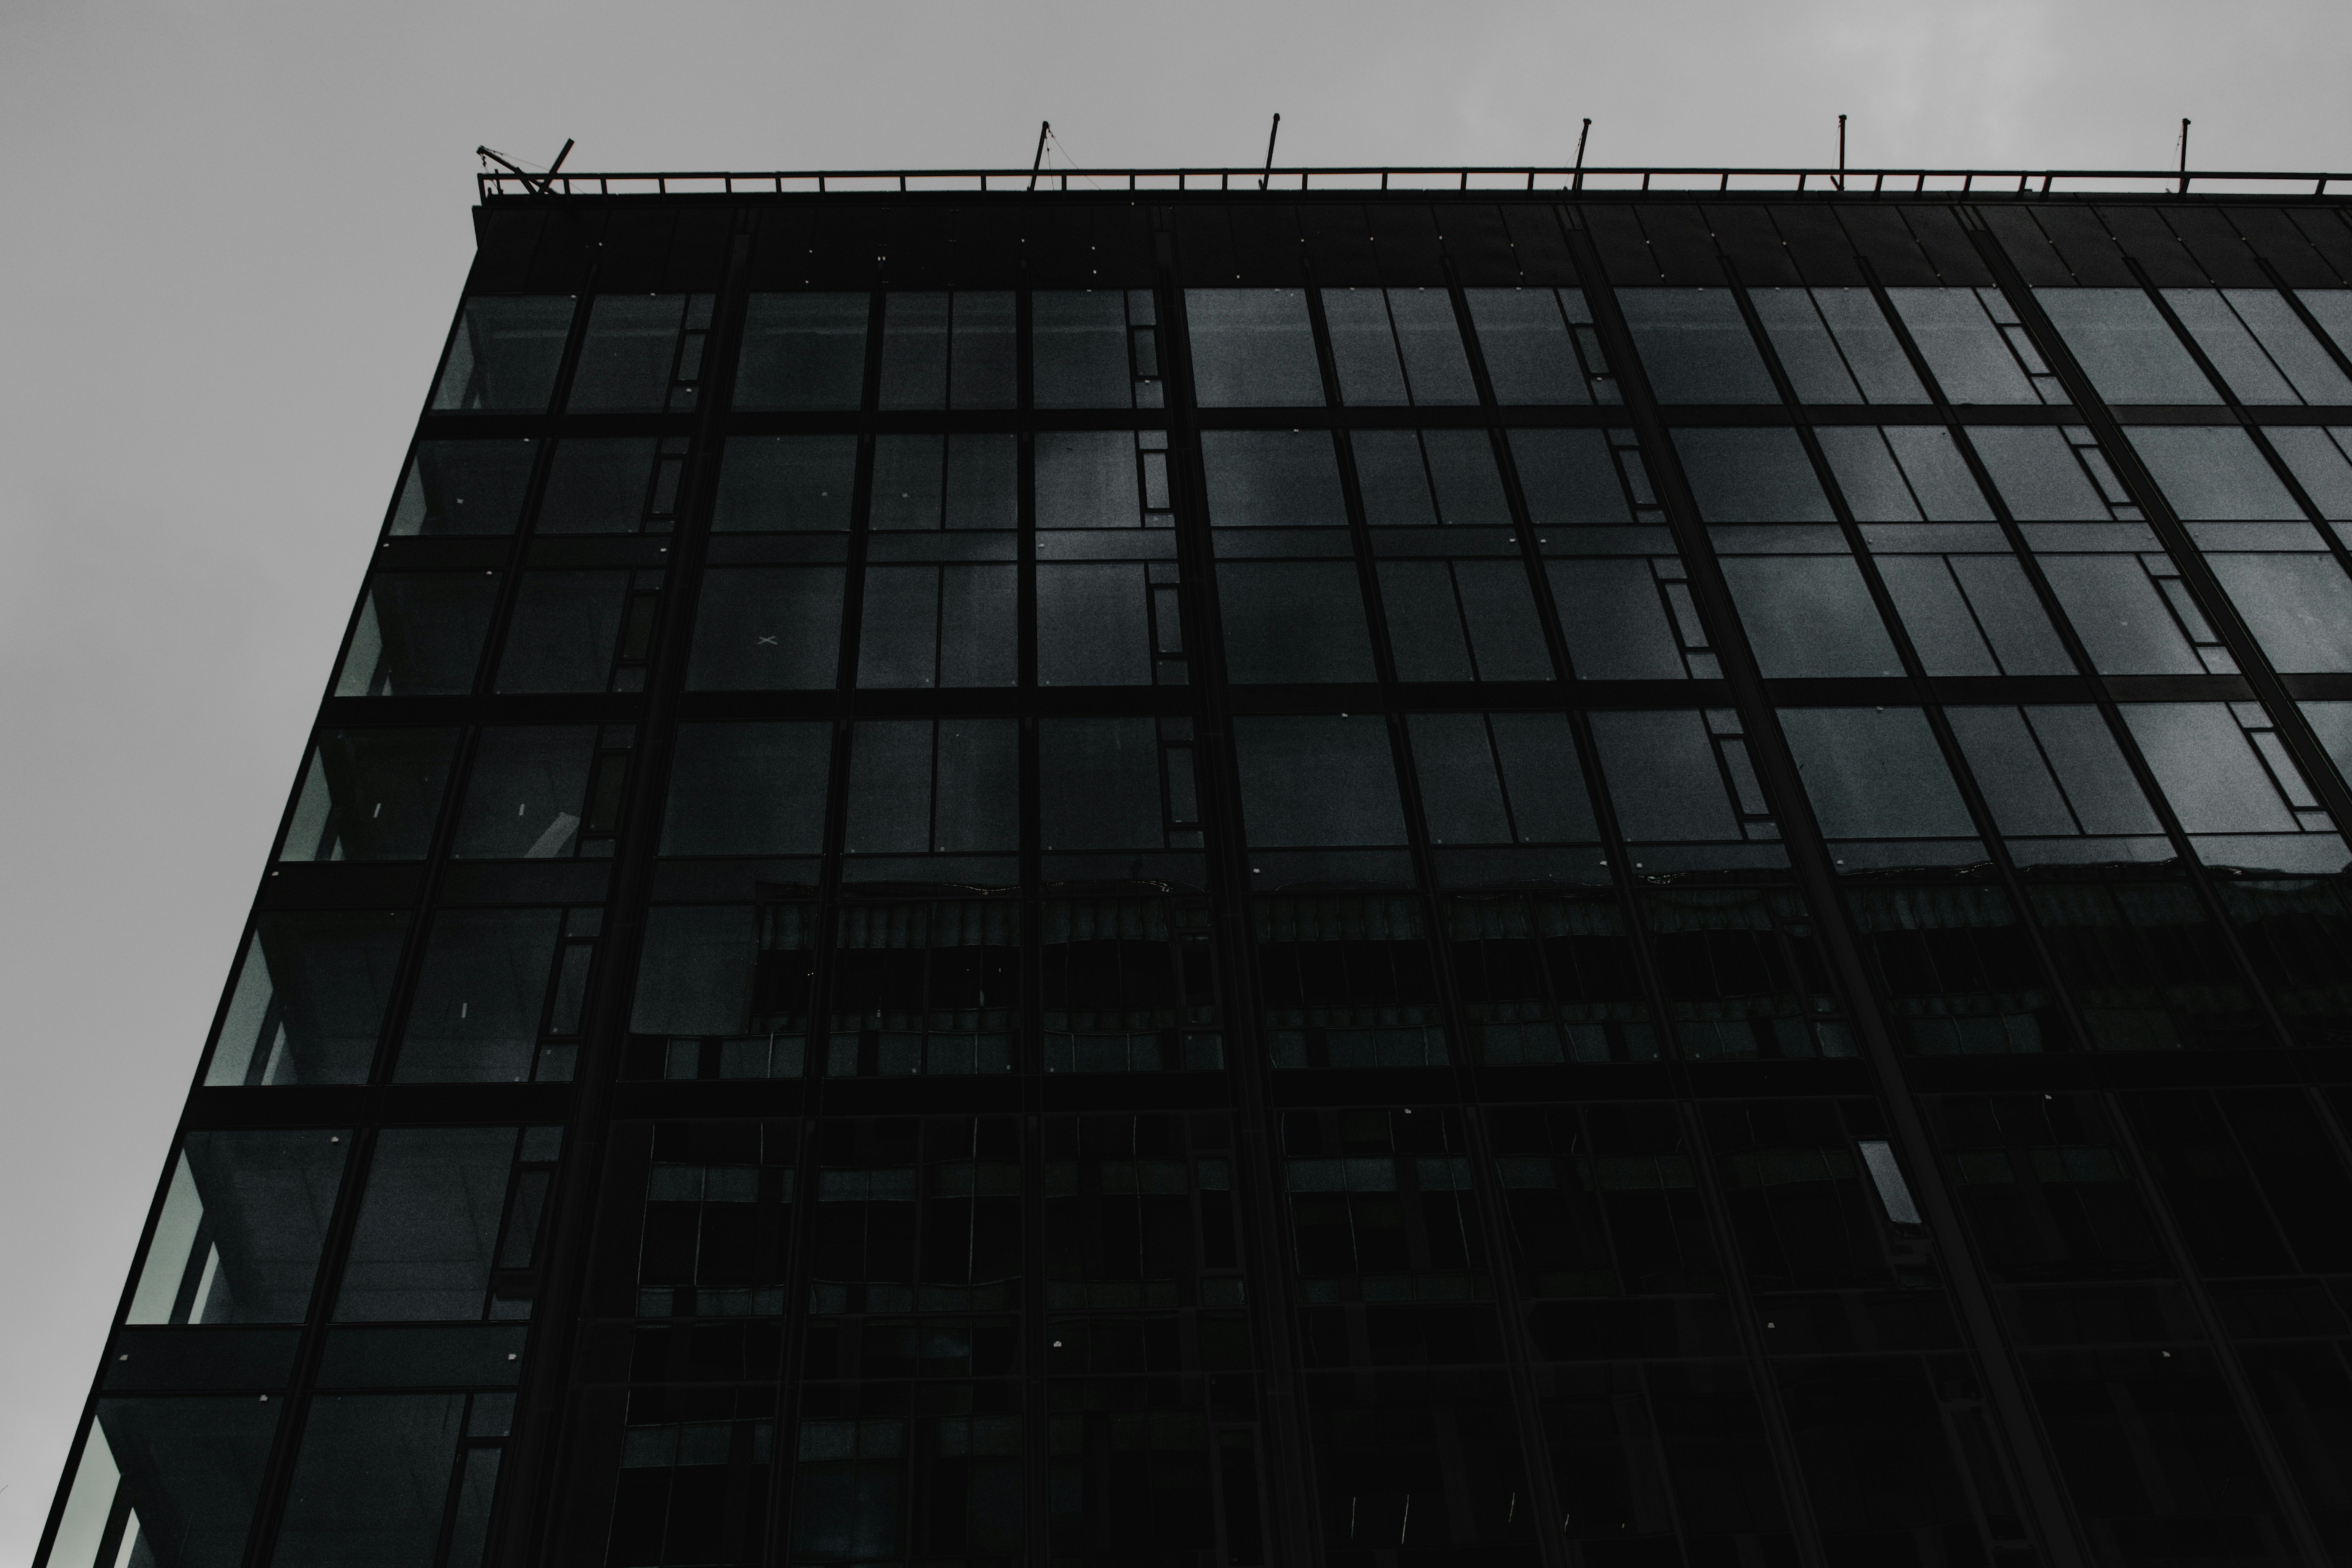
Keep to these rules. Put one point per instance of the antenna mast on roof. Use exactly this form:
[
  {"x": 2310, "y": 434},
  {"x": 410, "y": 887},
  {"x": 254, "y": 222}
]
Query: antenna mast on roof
[
  {"x": 2184, "y": 156},
  {"x": 1841, "y": 180},
  {"x": 542, "y": 183},
  {"x": 1581, "y": 137},
  {"x": 1269, "y": 151},
  {"x": 1044, "y": 129}
]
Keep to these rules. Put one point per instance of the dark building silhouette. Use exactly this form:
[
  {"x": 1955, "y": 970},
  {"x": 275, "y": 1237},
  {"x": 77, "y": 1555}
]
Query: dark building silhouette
[{"x": 1220, "y": 878}]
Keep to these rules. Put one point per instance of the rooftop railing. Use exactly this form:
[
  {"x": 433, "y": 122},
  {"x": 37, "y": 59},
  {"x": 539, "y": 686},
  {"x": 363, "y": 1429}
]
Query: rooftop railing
[{"x": 507, "y": 184}]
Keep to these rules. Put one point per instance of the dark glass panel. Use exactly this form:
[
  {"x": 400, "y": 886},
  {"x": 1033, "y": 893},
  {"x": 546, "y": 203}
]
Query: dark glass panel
[
  {"x": 463, "y": 487},
  {"x": 480, "y": 998},
  {"x": 803, "y": 351},
  {"x": 2125, "y": 347},
  {"x": 429, "y": 1218},
  {"x": 371, "y": 794},
  {"x": 785, "y": 483},
  {"x": 243, "y": 1223},
  {"x": 504, "y": 354},
  {"x": 419, "y": 635},
  {"x": 748, "y": 789},
  {"x": 542, "y": 774},
  {"x": 167, "y": 1481},
  {"x": 309, "y": 998},
  {"x": 1252, "y": 347},
  {"x": 1293, "y": 621},
  {"x": 767, "y": 628}
]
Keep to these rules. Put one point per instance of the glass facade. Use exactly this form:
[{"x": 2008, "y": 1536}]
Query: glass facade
[{"x": 1377, "y": 879}]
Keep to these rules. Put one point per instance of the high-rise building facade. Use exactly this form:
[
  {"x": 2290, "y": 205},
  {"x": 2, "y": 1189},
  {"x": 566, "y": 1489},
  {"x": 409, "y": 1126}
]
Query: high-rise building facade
[{"x": 1229, "y": 877}]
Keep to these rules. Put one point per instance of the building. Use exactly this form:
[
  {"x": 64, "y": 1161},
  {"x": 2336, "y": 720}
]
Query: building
[{"x": 1358, "y": 875}]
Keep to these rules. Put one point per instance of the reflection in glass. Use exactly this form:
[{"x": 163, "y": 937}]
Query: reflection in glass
[
  {"x": 930, "y": 988},
  {"x": 948, "y": 350},
  {"x": 1743, "y": 973},
  {"x": 2058, "y": 787},
  {"x": 1973, "y": 614},
  {"x": 928, "y": 482},
  {"x": 1272, "y": 479},
  {"x": 1430, "y": 477},
  {"x": 1317, "y": 780},
  {"x": 924, "y": 626},
  {"x": 1956, "y": 962},
  {"x": 1541, "y": 346},
  {"x": 1835, "y": 346},
  {"x": 2260, "y": 346},
  {"x": 1396, "y": 346},
  {"x": 1806, "y": 614},
  {"x": 243, "y": 1223},
  {"x": 2317, "y": 458},
  {"x": 1685, "y": 791},
  {"x": 1876, "y": 773},
  {"x": 504, "y": 354},
  {"x": 2298, "y": 605},
  {"x": 1751, "y": 476},
  {"x": 369, "y": 794},
  {"x": 2235, "y": 785},
  {"x": 1095, "y": 347},
  {"x": 309, "y": 998},
  {"x": 1902, "y": 473},
  {"x": 1348, "y": 980},
  {"x": 419, "y": 635},
  {"x": 2212, "y": 471},
  {"x": 1500, "y": 778},
  {"x": 525, "y": 795},
  {"x": 744, "y": 973},
  {"x": 463, "y": 487},
  {"x": 1973, "y": 342},
  {"x": 792, "y": 484}
]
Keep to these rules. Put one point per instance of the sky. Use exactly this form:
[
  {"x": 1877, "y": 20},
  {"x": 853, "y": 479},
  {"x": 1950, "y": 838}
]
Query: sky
[{"x": 236, "y": 232}]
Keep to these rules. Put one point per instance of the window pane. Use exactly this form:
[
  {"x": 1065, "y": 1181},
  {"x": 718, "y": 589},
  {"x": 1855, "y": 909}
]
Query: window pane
[
  {"x": 419, "y": 635},
  {"x": 309, "y": 998},
  {"x": 1614, "y": 616},
  {"x": 1087, "y": 478},
  {"x": 1469, "y": 487},
  {"x": 1252, "y": 347},
  {"x": 2036, "y": 473},
  {"x": 785, "y": 483},
  {"x": 1079, "y": 340},
  {"x": 1463, "y": 620},
  {"x": 563, "y": 631},
  {"x": 914, "y": 346},
  {"x": 598, "y": 485},
  {"x": 1752, "y": 476},
  {"x": 725, "y": 969},
  {"x": 981, "y": 354},
  {"x": 1269, "y": 479},
  {"x": 2054, "y": 772},
  {"x": 2317, "y": 459},
  {"x": 1903, "y": 473},
  {"x": 767, "y": 628},
  {"x": 2124, "y": 346},
  {"x": 927, "y": 482},
  {"x": 1094, "y": 624},
  {"x": 185, "y": 1475},
  {"x": 937, "y": 626},
  {"x": 2120, "y": 616},
  {"x": 803, "y": 351},
  {"x": 476, "y": 1014},
  {"x": 1962, "y": 345},
  {"x": 1500, "y": 778},
  {"x": 463, "y": 487},
  {"x": 371, "y": 794},
  {"x": 895, "y": 806},
  {"x": 2298, "y": 607},
  {"x": 2212, "y": 471},
  {"x": 1530, "y": 357},
  {"x": 525, "y": 796},
  {"x": 1568, "y": 477},
  {"x": 1363, "y": 348},
  {"x": 1696, "y": 346},
  {"x": 631, "y": 347},
  {"x": 243, "y": 1223},
  {"x": 2259, "y": 345},
  {"x": 1972, "y": 615},
  {"x": 1099, "y": 784},
  {"x": 1394, "y": 479},
  {"x": 1835, "y": 346},
  {"x": 371, "y": 1484},
  {"x": 748, "y": 789},
  {"x": 1317, "y": 780},
  {"x": 504, "y": 354},
  {"x": 428, "y": 1220},
  {"x": 1664, "y": 777},
  {"x": 1809, "y": 615},
  {"x": 1874, "y": 773},
  {"x": 2206, "y": 769},
  {"x": 1429, "y": 340},
  {"x": 1294, "y": 621}
]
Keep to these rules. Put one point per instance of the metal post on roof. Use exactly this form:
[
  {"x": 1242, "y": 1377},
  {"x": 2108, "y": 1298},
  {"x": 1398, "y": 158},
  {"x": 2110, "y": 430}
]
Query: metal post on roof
[
  {"x": 1044, "y": 129},
  {"x": 1270, "y": 135},
  {"x": 2184, "y": 156},
  {"x": 1578, "y": 183},
  {"x": 542, "y": 183},
  {"x": 1841, "y": 179}
]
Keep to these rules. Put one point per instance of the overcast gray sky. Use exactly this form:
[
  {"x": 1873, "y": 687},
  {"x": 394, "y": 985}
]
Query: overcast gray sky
[{"x": 236, "y": 232}]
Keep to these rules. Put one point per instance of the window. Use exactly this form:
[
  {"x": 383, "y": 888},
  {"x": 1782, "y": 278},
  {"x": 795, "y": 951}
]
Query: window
[
  {"x": 614, "y": 484},
  {"x": 1252, "y": 347},
  {"x": 1347, "y": 980},
  {"x": 2212, "y": 471},
  {"x": 943, "y": 625},
  {"x": 1500, "y": 778},
  {"x": 1879, "y": 787},
  {"x": 2055, "y": 475},
  {"x": 644, "y": 352},
  {"x": 1959, "y": 969},
  {"x": 1110, "y": 623},
  {"x": 1268, "y": 478},
  {"x": 309, "y": 998},
  {"x": 2057, "y": 785},
  {"x": 1583, "y": 477},
  {"x": 929, "y": 482},
  {"x": 1095, "y": 348},
  {"x": 1967, "y": 611},
  {"x": 767, "y": 628},
  {"x": 1902, "y": 473},
  {"x": 1975, "y": 346},
  {"x": 1103, "y": 479},
  {"x": 183, "y": 1471},
  {"x": 748, "y": 789},
  {"x": 795, "y": 484},
  {"x": 2317, "y": 459},
  {"x": 581, "y": 631},
  {"x": 1429, "y": 477},
  {"x": 723, "y": 991},
  {"x": 1751, "y": 476},
  {"x": 2125, "y": 347},
  {"x": 1686, "y": 794},
  {"x": 2260, "y": 346},
  {"x": 1742, "y": 974},
  {"x": 1696, "y": 345},
  {"x": 1396, "y": 346},
  {"x": 1541, "y": 346},
  {"x": 448, "y": 1226},
  {"x": 917, "y": 786},
  {"x": 369, "y": 794},
  {"x": 1463, "y": 620},
  {"x": 930, "y": 988},
  {"x": 803, "y": 351},
  {"x": 1115, "y": 784},
  {"x": 2236, "y": 789},
  {"x": 1317, "y": 780},
  {"x": 1129, "y": 986},
  {"x": 2298, "y": 604},
  {"x": 375, "y": 1480},
  {"x": 948, "y": 350},
  {"x": 1836, "y": 347},
  {"x": 1294, "y": 621},
  {"x": 1807, "y": 615},
  {"x": 493, "y": 982},
  {"x": 243, "y": 1223},
  {"x": 1547, "y": 978},
  {"x": 419, "y": 635},
  {"x": 527, "y": 793},
  {"x": 503, "y": 356},
  {"x": 463, "y": 487}
]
